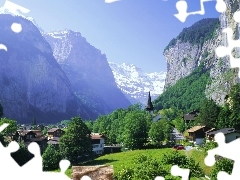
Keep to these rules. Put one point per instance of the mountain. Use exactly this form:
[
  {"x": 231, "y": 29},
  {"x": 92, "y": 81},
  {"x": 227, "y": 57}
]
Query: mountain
[
  {"x": 136, "y": 84},
  {"x": 87, "y": 70},
  {"x": 194, "y": 71},
  {"x": 32, "y": 83}
]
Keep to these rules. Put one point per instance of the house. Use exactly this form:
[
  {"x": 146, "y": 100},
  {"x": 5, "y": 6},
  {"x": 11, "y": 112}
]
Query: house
[
  {"x": 197, "y": 133},
  {"x": 28, "y": 136},
  {"x": 55, "y": 132},
  {"x": 230, "y": 134},
  {"x": 54, "y": 141},
  {"x": 98, "y": 141},
  {"x": 190, "y": 116}
]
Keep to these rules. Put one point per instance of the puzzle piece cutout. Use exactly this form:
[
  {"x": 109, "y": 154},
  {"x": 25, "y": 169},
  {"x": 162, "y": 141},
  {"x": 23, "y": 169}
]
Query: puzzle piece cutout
[
  {"x": 228, "y": 150},
  {"x": 33, "y": 168},
  {"x": 182, "y": 6},
  {"x": 14, "y": 9},
  {"x": 222, "y": 51},
  {"x": 177, "y": 171}
]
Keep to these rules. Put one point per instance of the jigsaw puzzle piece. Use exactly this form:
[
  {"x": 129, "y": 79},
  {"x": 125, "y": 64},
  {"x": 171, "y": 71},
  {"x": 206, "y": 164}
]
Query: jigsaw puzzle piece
[
  {"x": 4, "y": 125},
  {"x": 222, "y": 175},
  {"x": 159, "y": 178},
  {"x": 15, "y": 8},
  {"x": 181, "y": 7},
  {"x": 226, "y": 150},
  {"x": 35, "y": 162},
  {"x": 86, "y": 178},
  {"x": 236, "y": 16},
  {"x": 221, "y": 6},
  {"x": 221, "y": 51},
  {"x": 177, "y": 171},
  {"x": 64, "y": 164},
  {"x": 5, "y": 156}
]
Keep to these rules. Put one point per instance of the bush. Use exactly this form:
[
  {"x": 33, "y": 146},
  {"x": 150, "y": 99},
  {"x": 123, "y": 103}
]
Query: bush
[
  {"x": 51, "y": 158},
  {"x": 222, "y": 165},
  {"x": 209, "y": 145}
]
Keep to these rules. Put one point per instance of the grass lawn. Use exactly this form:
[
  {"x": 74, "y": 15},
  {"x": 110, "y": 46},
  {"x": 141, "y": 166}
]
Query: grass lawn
[
  {"x": 125, "y": 159},
  {"x": 199, "y": 157}
]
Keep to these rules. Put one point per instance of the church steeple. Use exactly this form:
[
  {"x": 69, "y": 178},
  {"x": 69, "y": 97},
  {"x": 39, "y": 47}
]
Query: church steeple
[{"x": 149, "y": 106}]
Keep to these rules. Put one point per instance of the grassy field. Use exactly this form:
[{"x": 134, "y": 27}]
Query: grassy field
[
  {"x": 199, "y": 157},
  {"x": 125, "y": 159}
]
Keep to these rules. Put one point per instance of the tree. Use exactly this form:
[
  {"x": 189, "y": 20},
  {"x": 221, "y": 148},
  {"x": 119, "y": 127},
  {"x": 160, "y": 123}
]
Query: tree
[
  {"x": 34, "y": 122},
  {"x": 179, "y": 124},
  {"x": 89, "y": 124},
  {"x": 229, "y": 116},
  {"x": 156, "y": 133},
  {"x": 234, "y": 106},
  {"x": 209, "y": 112},
  {"x": 160, "y": 131},
  {"x": 51, "y": 158},
  {"x": 223, "y": 117},
  {"x": 12, "y": 127},
  {"x": 136, "y": 130},
  {"x": 76, "y": 144}
]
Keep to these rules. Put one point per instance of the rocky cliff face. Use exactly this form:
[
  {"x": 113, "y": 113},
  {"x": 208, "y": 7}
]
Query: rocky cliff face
[
  {"x": 88, "y": 71},
  {"x": 183, "y": 57},
  {"x": 32, "y": 84}
]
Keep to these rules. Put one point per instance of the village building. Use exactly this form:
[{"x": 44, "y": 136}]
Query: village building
[
  {"x": 28, "y": 136},
  {"x": 98, "y": 141},
  {"x": 189, "y": 117},
  {"x": 230, "y": 134},
  {"x": 54, "y": 132},
  {"x": 196, "y": 134}
]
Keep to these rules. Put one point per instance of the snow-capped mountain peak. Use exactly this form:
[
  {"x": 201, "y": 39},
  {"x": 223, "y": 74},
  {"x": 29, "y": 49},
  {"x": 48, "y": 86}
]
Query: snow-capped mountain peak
[{"x": 136, "y": 84}]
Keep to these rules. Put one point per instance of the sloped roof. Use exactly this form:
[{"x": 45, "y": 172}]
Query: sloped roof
[
  {"x": 210, "y": 130},
  {"x": 53, "y": 129},
  {"x": 224, "y": 131},
  {"x": 97, "y": 136},
  {"x": 189, "y": 116},
  {"x": 195, "y": 128}
]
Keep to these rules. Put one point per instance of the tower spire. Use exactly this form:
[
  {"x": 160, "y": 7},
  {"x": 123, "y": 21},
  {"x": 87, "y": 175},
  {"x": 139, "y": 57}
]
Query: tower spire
[{"x": 149, "y": 106}]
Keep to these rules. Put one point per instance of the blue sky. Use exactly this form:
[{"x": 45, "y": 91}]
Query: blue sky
[{"x": 131, "y": 31}]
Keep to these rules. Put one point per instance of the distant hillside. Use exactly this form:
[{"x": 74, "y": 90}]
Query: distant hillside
[
  {"x": 187, "y": 94},
  {"x": 88, "y": 72}
]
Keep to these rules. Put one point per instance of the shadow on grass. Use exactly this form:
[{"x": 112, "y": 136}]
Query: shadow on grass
[{"x": 97, "y": 162}]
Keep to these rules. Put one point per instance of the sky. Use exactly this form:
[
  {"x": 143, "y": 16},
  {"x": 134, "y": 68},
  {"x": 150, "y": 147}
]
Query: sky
[{"x": 127, "y": 31}]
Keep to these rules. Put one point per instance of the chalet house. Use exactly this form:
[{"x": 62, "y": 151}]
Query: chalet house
[
  {"x": 230, "y": 134},
  {"x": 28, "y": 136},
  {"x": 190, "y": 116},
  {"x": 197, "y": 133},
  {"x": 98, "y": 141},
  {"x": 55, "y": 132},
  {"x": 54, "y": 141}
]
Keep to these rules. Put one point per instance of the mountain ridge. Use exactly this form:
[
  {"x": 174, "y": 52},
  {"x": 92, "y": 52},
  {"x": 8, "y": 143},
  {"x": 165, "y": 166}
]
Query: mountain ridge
[{"x": 136, "y": 84}]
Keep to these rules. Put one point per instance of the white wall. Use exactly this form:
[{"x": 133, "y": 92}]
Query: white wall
[{"x": 98, "y": 148}]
